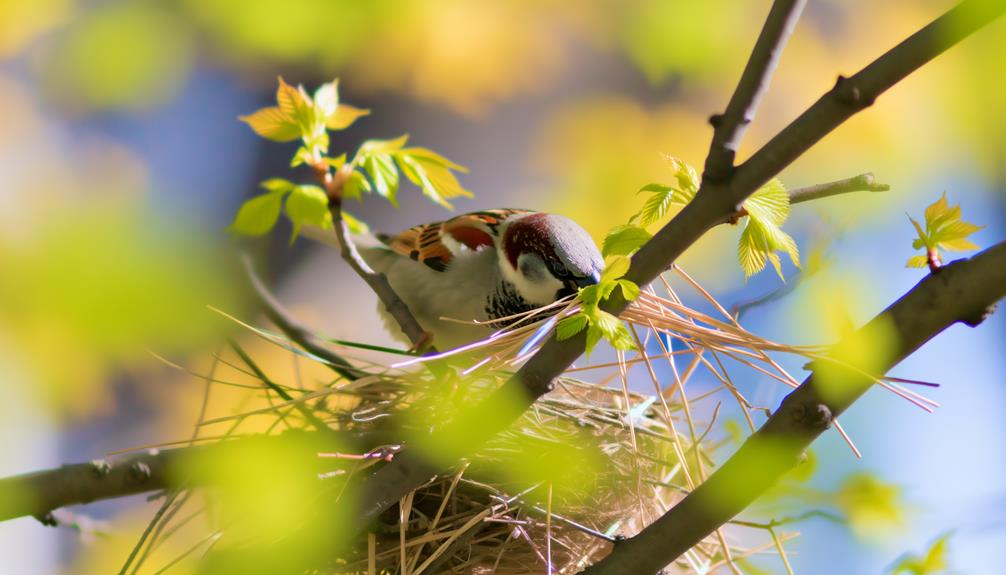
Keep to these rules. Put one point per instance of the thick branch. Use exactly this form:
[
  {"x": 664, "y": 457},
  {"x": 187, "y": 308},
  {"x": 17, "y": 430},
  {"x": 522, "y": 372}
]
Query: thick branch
[
  {"x": 299, "y": 334},
  {"x": 40, "y": 492},
  {"x": 852, "y": 95},
  {"x": 963, "y": 291},
  {"x": 730, "y": 126},
  {"x": 482, "y": 421}
]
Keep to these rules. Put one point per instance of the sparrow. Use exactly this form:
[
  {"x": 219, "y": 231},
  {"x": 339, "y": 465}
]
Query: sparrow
[{"x": 464, "y": 278}]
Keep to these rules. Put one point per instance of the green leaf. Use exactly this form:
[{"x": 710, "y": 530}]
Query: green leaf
[
  {"x": 356, "y": 226},
  {"x": 762, "y": 235},
  {"x": 278, "y": 185},
  {"x": 381, "y": 146},
  {"x": 594, "y": 335},
  {"x": 272, "y": 124},
  {"x": 303, "y": 156},
  {"x": 590, "y": 295},
  {"x": 687, "y": 177},
  {"x": 613, "y": 330},
  {"x": 356, "y": 184},
  {"x": 917, "y": 262},
  {"x": 384, "y": 174},
  {"x": 570, "y": 326},
  {"x": 656, "y": 188},
  {"x": 656, "y": 206},
  {"x": 623, "y": 240},
  {"x": 436, "y": 181},
  {"x": 944, "y": 230},
  {"x": 344, "y": 117},
  {"x": 757, "y": 246},
  {"x": 336, "y": 163},
  {"x": 326, "y": 99},
  {"x": 871, "y": 506},
  {"x": 296, "y": 105},
  {"x": 258, "y": 215},
  {"x": 934, "y": 561},
  {"x": 307, "y": 205},
  {"x": 630, "y": 290},
  {"x": 615, "y": 269},
  {"x": 431, "y": 156},
  {"x": 769, "y": 204}
]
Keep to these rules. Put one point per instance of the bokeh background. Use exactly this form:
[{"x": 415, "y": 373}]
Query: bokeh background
[{"x": 122, "y": 162}]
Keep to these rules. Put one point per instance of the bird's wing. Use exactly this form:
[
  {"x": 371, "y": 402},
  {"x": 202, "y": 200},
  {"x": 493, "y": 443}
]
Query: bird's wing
[{"x": 435, "y": 244}]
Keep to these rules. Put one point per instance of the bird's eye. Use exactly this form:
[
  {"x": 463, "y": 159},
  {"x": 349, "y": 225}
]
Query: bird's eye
[{"x": 558, "y": 269}]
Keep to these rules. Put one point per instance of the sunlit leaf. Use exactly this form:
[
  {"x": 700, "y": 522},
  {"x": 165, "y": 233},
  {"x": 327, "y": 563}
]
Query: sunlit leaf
[
  {"x": 326, "y": 99},
  {"x": 762, "y": 235},
  {"x": 384, "y": 174},
  {"x": 436, "y": 181},
  {"x": 344, "y": 117},
  {"x": 307, "y": 205},
  {"x": 296, "y": 105},
  {"x": 258, "y": 215},
  {"x": 630, "y": 290},
  {"x": 932, "y": 562},
  {"x": 356, "y": 225},
  {"x": 431, "y": 156},
  {"x": 272, "y": 124},
  {"x": 623, "y": 240},
  {"x": 872, "y": 507},
  {"x": 615, "y": 269},
  {"x": 769, "y": 204},
  {"x": 570, "y": 326},
  {"x": 944, "y": 230},
  {"x": 917, "y": 262},
  {"x": 356, "y": 184},
  {"x": 382, "y": 146}
]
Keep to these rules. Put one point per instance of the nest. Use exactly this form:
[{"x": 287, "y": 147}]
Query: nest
[
  {"x": 585, "y": 465},
  {"x": 568, "y": 478}
]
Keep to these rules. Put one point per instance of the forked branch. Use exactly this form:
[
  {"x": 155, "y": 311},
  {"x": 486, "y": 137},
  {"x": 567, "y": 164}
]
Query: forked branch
[{"x": 713, "y": 203}]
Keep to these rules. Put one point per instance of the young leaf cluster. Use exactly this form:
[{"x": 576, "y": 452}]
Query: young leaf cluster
[
  {"x": 599, "y": 323},
  {"x": 761, "y": 238},
  {"x": 944, "y": 230},
  {"x": 376, "y": 166}
]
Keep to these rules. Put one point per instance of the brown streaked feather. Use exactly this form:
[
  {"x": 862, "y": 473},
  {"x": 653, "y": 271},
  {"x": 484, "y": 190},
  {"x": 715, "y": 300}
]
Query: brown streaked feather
[{"x": 424, "y": 244}]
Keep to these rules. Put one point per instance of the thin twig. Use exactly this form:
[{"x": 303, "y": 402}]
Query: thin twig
[
  {"x": 862, "y": 183},
  {"x": 333, "y": 183},
  {"x": 292, "y": 328}
]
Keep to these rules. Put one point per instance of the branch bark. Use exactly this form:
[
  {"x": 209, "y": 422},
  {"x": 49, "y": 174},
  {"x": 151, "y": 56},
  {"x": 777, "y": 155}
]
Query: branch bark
[
  {"x": 730, "y": 126},
  {"x": 333, "y": 184},
  {"x": 713, "y": 202},
  {"x": 862, "y": 183},
  {"x": 963, "y": 291},
  {"x": 41, "y": 492}
]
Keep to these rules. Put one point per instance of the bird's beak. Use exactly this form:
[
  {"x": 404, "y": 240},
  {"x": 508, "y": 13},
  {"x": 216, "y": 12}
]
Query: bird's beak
[{"x": 593, "y": 279}]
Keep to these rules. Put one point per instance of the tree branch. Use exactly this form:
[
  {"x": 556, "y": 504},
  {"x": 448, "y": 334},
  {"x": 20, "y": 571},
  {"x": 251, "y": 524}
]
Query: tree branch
[
  {"x": 41, "y": 492},
  {"x": 861, "y": 183},
  {"x": 729, "y": 127},
  {"x": 963, "y": 291},
  {"x": 710, "y": 206},
  {"x": 333, "y": 183},
  {"x": 299, "y": 334}
]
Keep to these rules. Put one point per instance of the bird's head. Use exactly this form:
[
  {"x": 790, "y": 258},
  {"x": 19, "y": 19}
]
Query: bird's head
[{"x": 547, "y": 257}]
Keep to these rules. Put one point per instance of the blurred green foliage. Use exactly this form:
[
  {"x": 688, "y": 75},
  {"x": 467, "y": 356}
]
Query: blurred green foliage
[
  {"x": 95, "y": 288},
  {"x": 120, "y": 55}
]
